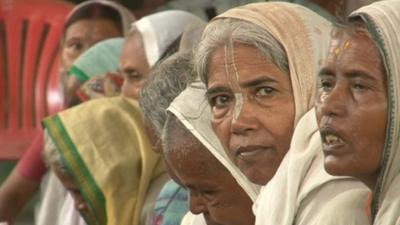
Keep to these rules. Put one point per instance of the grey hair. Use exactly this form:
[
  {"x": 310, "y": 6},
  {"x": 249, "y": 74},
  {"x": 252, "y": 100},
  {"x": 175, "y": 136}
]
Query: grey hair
[
  {"x": 177, "y": 139},
  {"x": 229, "y": 31},
  {"x": 52, "y": 156},
  {"x": 166, "y": 81}
]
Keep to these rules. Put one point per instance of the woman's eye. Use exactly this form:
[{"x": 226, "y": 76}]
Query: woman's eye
[
  {"x": 264, "y": 91},
  {"x": 220, "y": 101},
  {"x": 209, "y": 195},
  {"x": 132, "y": 75},
  {"x": 359, "y": 87},
  {"x": 76, "y": 46},
  {"x": 326, "y": 85}
]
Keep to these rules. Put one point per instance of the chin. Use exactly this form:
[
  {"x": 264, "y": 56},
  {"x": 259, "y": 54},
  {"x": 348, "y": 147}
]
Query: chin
[
  {"x": 256, "y": 177},
  {"x": 334, "y": 167}
]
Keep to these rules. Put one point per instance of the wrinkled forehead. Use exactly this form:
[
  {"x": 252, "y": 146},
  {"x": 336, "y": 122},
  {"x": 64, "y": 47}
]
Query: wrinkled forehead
[{"x": 231, "y": 63}]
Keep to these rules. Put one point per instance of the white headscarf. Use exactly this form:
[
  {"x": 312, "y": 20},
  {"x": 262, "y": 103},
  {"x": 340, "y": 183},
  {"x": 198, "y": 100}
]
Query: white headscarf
[
  {"x": 383, "y": 22},
  {"x": 303, "y": 34},
  {"x": 192, "y": 109},
  {"x": 126, "y": 16},
  {"x": 301, "y": 184},
  {"x": 159, "y": 30}
]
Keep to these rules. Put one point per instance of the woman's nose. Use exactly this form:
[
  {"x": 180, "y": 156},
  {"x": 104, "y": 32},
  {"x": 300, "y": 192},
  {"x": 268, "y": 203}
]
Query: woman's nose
[
  {"x": 197, "y": 204},
  {"x": 244, "y": 119},
  {"x": 333, "y": 103}
]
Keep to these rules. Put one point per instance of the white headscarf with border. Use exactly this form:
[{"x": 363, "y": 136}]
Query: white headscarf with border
[{"x": 383, "y": 22}]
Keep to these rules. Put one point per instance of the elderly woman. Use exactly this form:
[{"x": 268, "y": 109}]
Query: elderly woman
[
  {"x": 146, "y": 42},
  {"x": 89, "y": 23},
  {"x": 218, "y": 191},
  {"x": 259, "y": 64},
  {"x": 254, "y": 67},
  {"x": 166, "y": 81},
  {"x": 149, "y": 40},
  {"x": 104, "y": 82},
  {"x": 358, "y": 107},
  {"x": 110, "y": 169}
]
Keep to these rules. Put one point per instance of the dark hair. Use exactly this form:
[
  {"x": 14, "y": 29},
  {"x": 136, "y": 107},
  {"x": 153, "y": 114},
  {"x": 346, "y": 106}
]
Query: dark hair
[{"x": 96, "y": 11}]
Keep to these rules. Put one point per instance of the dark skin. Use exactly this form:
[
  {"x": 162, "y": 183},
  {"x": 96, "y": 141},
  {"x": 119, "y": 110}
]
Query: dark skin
[
  {"x": 15, "y": 192},
  {"x": 352, "y": 108},
  {"x": 212, "y": 189},
  {"x": 258, "y": 136},
  {"x": 133, "y": 66},
  {"x": 79, "y": 37}
]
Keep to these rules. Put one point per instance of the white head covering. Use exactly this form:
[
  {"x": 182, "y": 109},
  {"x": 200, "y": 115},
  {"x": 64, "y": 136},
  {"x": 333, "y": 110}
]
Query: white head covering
[
  {"x": 383, "y": 22},
  {"x": 297, "y": 185},
  {"x": 192, "y": 109},
  {"x": 303, "y": 34},
  {"x": 159, "y": 30},
  {"x": 126, "y": 16},
  {"x": 101, "y": 58}
]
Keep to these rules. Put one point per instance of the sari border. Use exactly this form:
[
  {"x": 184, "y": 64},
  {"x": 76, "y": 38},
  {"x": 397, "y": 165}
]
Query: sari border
[
  {"x": 78, "y": 73},
  {"x": 76, "y": 167}
]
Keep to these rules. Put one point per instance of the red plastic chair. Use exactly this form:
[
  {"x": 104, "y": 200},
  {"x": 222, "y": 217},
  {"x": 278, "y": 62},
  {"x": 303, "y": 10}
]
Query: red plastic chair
[{"x": 30, "y": 32}]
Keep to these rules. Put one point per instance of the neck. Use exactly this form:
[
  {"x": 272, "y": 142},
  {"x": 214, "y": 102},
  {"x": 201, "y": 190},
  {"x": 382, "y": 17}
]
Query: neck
[{"x": 370, "y": 180}]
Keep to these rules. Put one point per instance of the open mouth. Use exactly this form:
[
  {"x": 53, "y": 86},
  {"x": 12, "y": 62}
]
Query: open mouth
[{"x": 330, "y": 138}]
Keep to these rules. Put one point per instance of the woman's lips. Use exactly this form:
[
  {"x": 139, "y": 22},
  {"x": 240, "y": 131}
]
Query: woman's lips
[
  {"x": 249, "y": 152},
  {"x": 332, "y": 141}
]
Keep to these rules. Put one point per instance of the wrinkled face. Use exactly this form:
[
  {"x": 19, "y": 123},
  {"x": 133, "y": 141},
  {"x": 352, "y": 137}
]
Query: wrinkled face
[
  {"x": 252, "y": 109},
  {"x": 82, "y": 34},
  {"x": 73, "y": 189},
  {"x": 212, "y": 189},
  {"x": 352, "y": 108},
  {"x": 133, "y": 66}
]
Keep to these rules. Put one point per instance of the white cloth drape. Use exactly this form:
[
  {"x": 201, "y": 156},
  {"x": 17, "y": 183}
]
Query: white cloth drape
[{"x": 159, "y": 30}]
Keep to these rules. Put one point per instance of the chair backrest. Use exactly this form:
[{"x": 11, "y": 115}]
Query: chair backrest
[{"x": 30, "y": 33}]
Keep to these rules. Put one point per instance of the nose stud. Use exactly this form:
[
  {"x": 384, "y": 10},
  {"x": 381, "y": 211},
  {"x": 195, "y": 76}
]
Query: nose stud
[{"x": 81, "y": 206}]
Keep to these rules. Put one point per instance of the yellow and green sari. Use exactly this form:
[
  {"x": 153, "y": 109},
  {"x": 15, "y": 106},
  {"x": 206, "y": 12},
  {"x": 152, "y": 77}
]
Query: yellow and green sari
[{"x": 104, "y": 147}]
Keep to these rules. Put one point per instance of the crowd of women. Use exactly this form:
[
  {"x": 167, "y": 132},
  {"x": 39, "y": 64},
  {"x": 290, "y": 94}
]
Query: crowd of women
[{"x": 268, "y": 114}]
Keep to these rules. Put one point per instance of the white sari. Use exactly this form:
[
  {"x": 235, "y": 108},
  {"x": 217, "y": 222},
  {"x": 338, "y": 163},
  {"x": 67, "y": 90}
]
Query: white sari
[{"x": 383, "y": 22}]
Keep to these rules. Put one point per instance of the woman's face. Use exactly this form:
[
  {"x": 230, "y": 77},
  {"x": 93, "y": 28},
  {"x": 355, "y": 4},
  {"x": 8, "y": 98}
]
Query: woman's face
[
  {"x": 79, "y": 37},
  {"x": 212, "y": 189},
  {"x": 82, "y": 34},
  {"x": 252, "y": 109},
  {"x": 352, "y": 108},
  {"x": 133, "y": 67}
]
